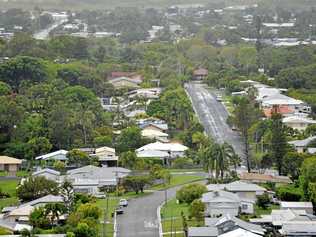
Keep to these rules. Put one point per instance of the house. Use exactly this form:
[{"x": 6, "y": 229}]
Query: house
[
  {"x": 153, "y": 154},
  {"x": 200, "y": 74},
  {"x": 173, "y": 149},
  {"x": 89, "y": 179},
  {"x": 298, "y": 122},
  {"x": 107, "y": 156},
  {"x": 242, "y": 189},
  {"x": 298, "y": 228},
  {"x": 125, "y": 82},
  {"x": 10, "y": 165},
  {"x": 60, "y": 155},
  {"x": 131, "y": 75},
  {"x": 306, "y": 206},
  {"x": 158, "y": 126},
  {"x": 21, "y": 213},
  {"x": 221, "y": 203},
  {"x": 278, "y": 217},
  {"x": 264, "y": 178},
  {"x": 147, "y": 93},
  {"x": 239, "y": 233},
  {"x": 301, "y": 145},
  {"x": 49, "y": 174}
]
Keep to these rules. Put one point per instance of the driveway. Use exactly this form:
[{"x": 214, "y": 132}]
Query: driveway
[{"x": 213, "y": 116}]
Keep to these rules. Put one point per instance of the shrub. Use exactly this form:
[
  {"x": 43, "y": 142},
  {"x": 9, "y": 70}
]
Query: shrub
[
  {"x": 189, "y": 193},
  {"x": 196, "y": 210},
  {"x": 263, "y": 201},
  {"x": 182, "y": 163},
  {"x": 289, "y": 193}
]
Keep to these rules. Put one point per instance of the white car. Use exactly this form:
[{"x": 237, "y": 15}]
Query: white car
[{"x": 123, "y": 203}]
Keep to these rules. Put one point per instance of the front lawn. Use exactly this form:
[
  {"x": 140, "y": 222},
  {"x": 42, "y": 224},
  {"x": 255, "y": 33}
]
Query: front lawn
[
  {"x": 9, "y": 186},
  {"x": 171, "y": 218},
  {"x": 177, "y": 180}
]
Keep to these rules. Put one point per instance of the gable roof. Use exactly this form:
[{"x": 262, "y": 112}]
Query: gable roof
[
  {"x": 253, "y": 177},
  {"x": 302, "y": 143},
  {"x": 298, "y": 228},
  {"x": 46, "y": 170},
  {"x": 239, "y": 233},
  {"x": 220, "y": 196},
  {"x": 236, "y": 186},
  {"x": 298, "y": 119},
  {"x": 168, "y": 147},
  {"x": 161, "y": 126},
  {"x": 61, "y": 153},
  {"x": 103, "y": 149},
  {"x": 6, "y": 160},
  {"x": 152, "y": 154},
  {"x": 296, "y": 205}
]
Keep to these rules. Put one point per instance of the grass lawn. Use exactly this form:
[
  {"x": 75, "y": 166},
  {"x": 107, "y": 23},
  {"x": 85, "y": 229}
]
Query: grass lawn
[
  {"x": 8, "y": 186},
  {"x": 172, "y": 220},
  {"x": 20, "y": 173},
  {"x": 178, "y": 180}
]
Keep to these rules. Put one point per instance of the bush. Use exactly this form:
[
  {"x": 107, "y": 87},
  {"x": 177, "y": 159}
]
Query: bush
[
  {"x": 189, "y": 193},
  {"x": 182, "y": 163},
  {"x": 4, "y": 194},
  {"x": 196, "y": 210},
  {"x": 289, "y": 193},
  {"x": 263, "y": 201}
]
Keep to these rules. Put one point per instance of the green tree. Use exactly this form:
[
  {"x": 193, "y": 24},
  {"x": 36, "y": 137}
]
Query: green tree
[
  {"x": 78, "y": 158},
  {"x": 189, "y": 193},
  {"x": 129, "y": 139},
  {"x": 128, "y": 159},
  {"x": 36, "y": 187},
  {"x": 263, "y": 201},
  {"x": 136, "y": 183}
]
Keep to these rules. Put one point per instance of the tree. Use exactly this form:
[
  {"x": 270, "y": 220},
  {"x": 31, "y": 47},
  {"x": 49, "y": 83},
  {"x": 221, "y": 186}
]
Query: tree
[
  {"x": 244, "y": 115},
  {"x": 38, "y": 146},
  {"x": 84, "y": 230},
  {"x": 78, "y": 158},
  {"x": 278, "y": 141},
  {"x": 5, "y": 89},
  {"x": 54, "y": 210},
  {"x": 189, "y": 193},
  {"x": 36, "y": 187},
  {"x": 67, "y": 192},
  {"x": 289, "y": 193},
  {"x": 292, "y": 163},
  {"x": 308, "y": 175},
  {"x": 39, "y": 219},
  {"x": 129, "y": 139},
  {"x": 128, "y": 159},
  {"x": 197, "y": 209},
  {"x": 22, "y": 69},
  {"x": 136, "y": 183}
]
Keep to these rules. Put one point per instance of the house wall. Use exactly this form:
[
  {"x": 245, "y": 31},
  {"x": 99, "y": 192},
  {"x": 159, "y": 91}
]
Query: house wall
[
  {"x": 86, "y": 189},
  {"x": 247, "y": 208},
  {"x": 105, "y": 154},
  {"x": 247, "y": 195},
  {"x": 121, "y": 84},
  {"x": 216, "y": 209},
  {"x": 10, "y": 168},
  {"x": 175, "y": 154},
  {"x": 298, "y": 126},
  {"x": 150, "y": 127}
]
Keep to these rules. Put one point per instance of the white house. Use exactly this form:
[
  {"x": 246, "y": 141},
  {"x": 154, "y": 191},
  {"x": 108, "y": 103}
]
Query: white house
[
  {"x": 155, "y": 134},
  {"x": 306, "y": 206},
  {"x": 242, "y": 189},
  {"x": 173, "y": 149},
  {"x": 107, "y": 156},
  {"x": 221, "y": 203},
  {"x": 301, "y": 145},
  {"x": 298, "y": 122},
  {"x": 60, "y": 155}
]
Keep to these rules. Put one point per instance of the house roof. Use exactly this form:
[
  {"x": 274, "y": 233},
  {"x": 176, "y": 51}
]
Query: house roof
[
  {"x": 298, "y": 119},
  {"x": 302, "y": 143},
  {"x": 22, "y": 211},
  {"x": 239, "y": 233},
  {"x": 152, "y": 154},
  {"x": 161, "y": 126},
  {"x": 46, "y": 170},
  {"x": 202, "y": 232},
  {"x": 104, "y": 149},
  {"x": 61, "y": 153},
  {"x": 46, "y": 199},
  {"x": 298, "y": 228},
  {"x": 237, "y": 186},
  {"x": 6, "y": 160},
  {"x": 135, "y": 81},
  {"x": 296, "y": 205},
  {"x": 253, "y": 177},
  {"x": 220, "y": 196},
  {"x": 241, "y": 224},
  {"x": 153, "y": 133},
  {"x": 311, "y": 150},
  {"x": 168, "y": 147},
  {"x": 283, "y": 109}
]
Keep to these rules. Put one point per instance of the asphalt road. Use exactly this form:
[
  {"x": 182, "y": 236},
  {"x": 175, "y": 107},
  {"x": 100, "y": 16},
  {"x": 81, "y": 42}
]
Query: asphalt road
[
  {"x": 213, "y": 115},
  {"x": 140, "y": 217}
]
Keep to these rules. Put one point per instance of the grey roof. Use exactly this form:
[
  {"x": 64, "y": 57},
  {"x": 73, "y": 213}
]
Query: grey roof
[
  {"x": 303, "y": 143},
  {"x": 56, "y": 155},
  {"x": 47, "y": 170},
  {"x": 298, "y": 228},
  {"x": 241, "y": 224},
  {"x": 152, "y": 154},
  {"x": 296, "y": 205},
  {"x": 210, "y": 222},
  {"x": 162, "y": 126},
  {"x": 220, "y": 196},
  {"x": 237, "y": 186},
  {"x": 46, "y": 199},
  {"x": 202, "y": 232}
]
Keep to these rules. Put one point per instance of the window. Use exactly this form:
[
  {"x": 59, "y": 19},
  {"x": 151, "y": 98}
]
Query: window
[{"x": 244, "y": 206}]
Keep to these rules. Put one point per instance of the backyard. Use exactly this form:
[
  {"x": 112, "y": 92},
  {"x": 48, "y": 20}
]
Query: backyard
[{"x": 8, "y": 186}]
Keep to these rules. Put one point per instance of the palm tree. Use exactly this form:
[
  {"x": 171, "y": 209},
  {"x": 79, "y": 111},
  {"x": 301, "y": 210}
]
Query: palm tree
[{"x": 54, "y": 210}]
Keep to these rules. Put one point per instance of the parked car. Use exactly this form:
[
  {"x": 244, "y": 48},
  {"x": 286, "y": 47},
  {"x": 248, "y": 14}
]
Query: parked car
[
  {"x": 123, "y": 203},
  {"x": 119, "y": 211},
  {"x": 219, "y": 98}
]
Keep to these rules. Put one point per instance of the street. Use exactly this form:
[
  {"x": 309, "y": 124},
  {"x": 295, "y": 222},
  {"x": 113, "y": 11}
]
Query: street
[
  {"x": 140, "y": 217},
  {"x": 213, "y": 115}
]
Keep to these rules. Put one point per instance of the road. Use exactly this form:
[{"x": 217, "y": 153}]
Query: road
[
  {"x": 44, "y": 34},
  {"x": 213, "y": 115},
  {"x": 140, "y": 217}
]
